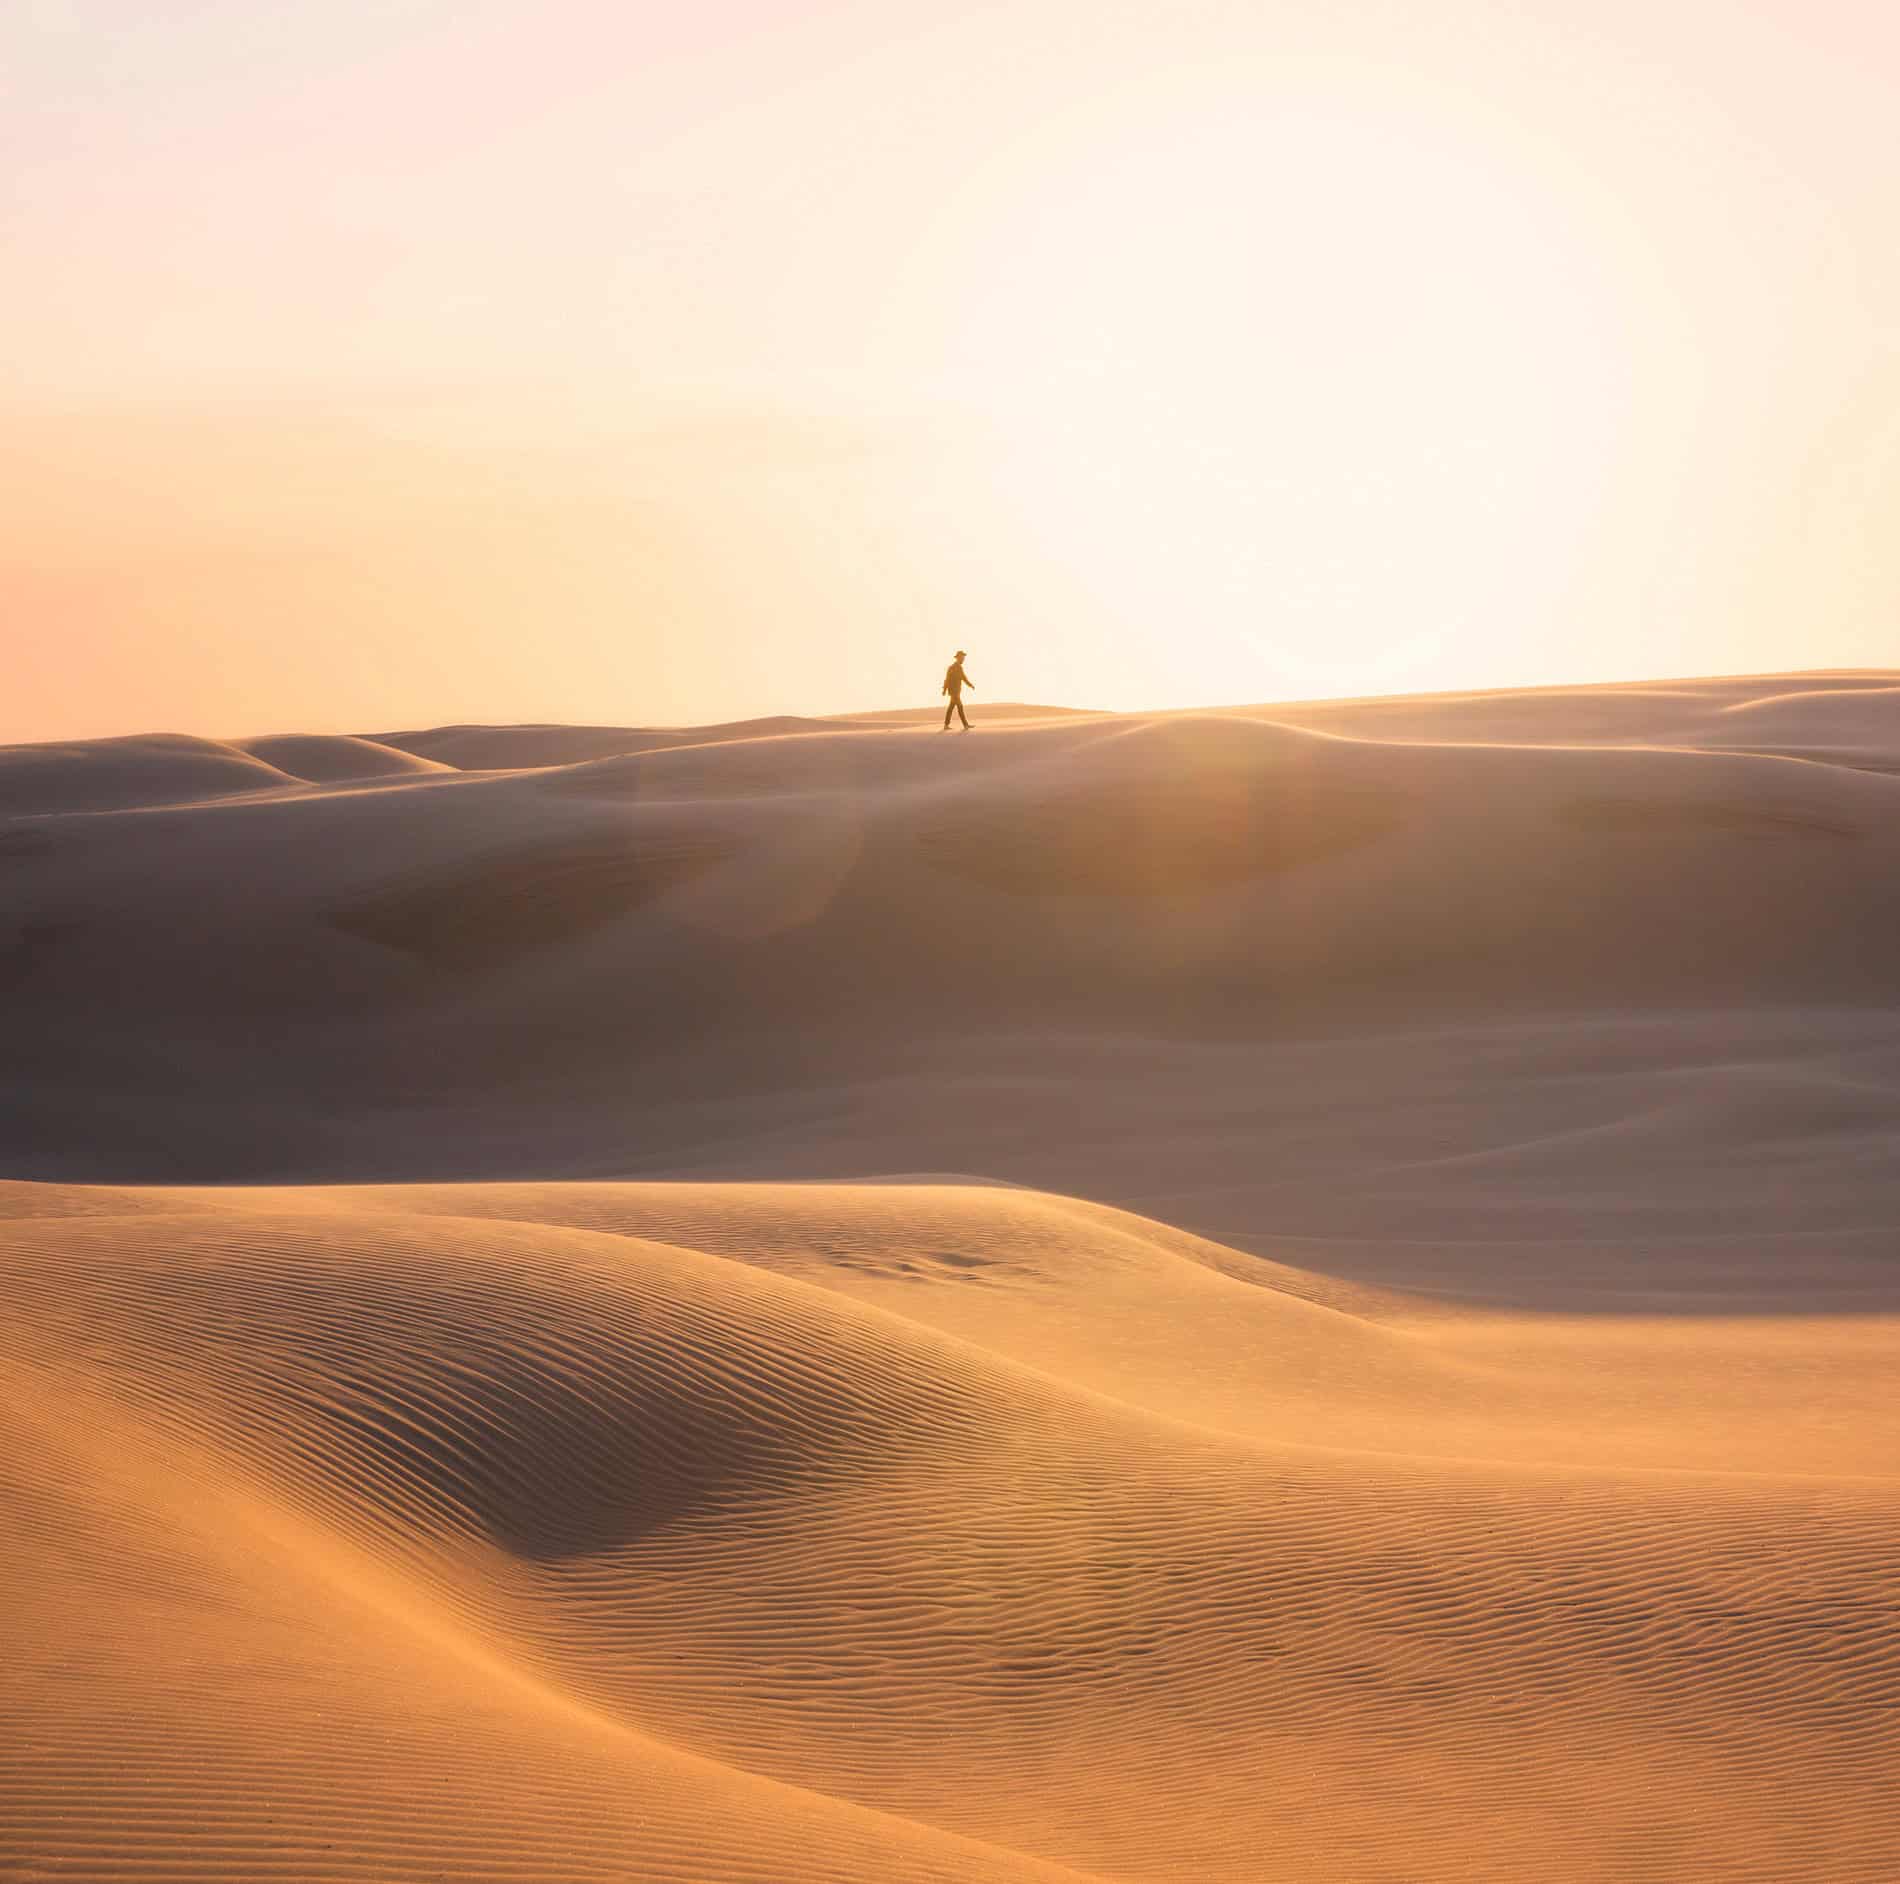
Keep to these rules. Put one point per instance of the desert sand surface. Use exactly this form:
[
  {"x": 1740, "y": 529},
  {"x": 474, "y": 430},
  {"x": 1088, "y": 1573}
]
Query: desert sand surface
[{"x": 1301, "y": 1294}]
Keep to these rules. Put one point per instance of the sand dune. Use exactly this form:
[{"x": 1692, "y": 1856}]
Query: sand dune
[
  {"x": 1350, "y": 1334},
  {"x": 120, "y": 774},
  {"x": 729, "y": 924},
  {"x": 335, "y": 758},
  {"x": 734, "y": 1571}
]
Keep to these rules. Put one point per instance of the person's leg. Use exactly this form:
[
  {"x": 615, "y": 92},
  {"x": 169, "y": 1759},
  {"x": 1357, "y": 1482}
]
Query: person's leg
[
  {"x": 951, "y": 708},
  {"x": 963, "y": 716}
]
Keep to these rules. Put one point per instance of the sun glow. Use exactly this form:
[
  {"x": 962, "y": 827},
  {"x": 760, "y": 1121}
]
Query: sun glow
[{"x": 1300, "y": 398}]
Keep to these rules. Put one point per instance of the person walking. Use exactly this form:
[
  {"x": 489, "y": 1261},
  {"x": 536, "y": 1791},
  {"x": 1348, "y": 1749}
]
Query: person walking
[{"x": 954, "y": 682}]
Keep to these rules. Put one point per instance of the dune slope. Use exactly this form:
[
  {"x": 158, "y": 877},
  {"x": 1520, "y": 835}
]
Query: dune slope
[{"x": 631, "y": 1558}]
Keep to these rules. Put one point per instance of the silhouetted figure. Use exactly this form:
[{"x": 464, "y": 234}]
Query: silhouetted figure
[{"x": 954, "y": 682}]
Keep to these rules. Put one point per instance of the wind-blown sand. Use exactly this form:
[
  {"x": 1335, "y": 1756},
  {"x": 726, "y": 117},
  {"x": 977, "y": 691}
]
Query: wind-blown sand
[{"x": 1351, "y": 1334}]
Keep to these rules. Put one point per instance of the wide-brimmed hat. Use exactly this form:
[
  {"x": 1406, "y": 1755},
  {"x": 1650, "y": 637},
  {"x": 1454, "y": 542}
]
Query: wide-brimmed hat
[{"x": 961, "y": 652}]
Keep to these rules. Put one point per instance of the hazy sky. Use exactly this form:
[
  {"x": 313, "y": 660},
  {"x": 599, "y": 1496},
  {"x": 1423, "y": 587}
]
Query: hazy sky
[{"x": 377, "y": 363}]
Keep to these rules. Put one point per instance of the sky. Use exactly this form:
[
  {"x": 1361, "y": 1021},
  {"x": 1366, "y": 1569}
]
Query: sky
[{"x": 377, "y": 364}]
